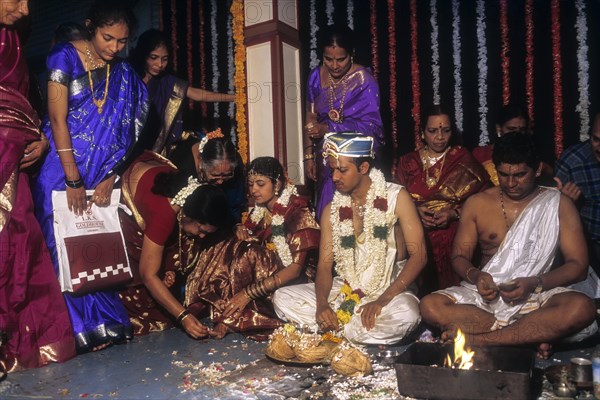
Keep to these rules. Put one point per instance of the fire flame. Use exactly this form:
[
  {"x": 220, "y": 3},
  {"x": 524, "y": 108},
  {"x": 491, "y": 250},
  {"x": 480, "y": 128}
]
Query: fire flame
[{"x": 463, "y": 357}]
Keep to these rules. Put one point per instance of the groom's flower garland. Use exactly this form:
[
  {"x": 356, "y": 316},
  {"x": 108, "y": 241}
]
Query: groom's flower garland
[
  {"x": 375, "y": 228},
  {"x": 277, "y": 230}
]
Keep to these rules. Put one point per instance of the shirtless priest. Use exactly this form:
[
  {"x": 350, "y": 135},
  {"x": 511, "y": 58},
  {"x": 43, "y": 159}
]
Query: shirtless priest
[
  {"x": 367, "y": 231},
  {"x": 519, "y": 295}
]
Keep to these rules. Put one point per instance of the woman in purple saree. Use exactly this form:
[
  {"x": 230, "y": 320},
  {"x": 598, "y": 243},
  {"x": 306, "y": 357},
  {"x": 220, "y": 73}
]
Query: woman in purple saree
[
  {"x": 342, "y": 96},
  {"x": 95, "y": 115}
]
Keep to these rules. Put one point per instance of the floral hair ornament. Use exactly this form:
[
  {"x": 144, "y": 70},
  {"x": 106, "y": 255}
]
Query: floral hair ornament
[
  {"x": 210, "y": 135},
  {"x": 347, "y": 144},
  {"x": 182, "y": 195}
]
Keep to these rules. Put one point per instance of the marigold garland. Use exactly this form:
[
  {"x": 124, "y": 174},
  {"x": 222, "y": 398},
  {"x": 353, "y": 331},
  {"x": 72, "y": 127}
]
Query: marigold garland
[
  {"x": 504, "y": 51},
  {"x": 414, "y": 69},
  {"x": 374, "y": 48},
  {"x": 393, "y": 83},
  {"x": 352, "y": 298},
  {"x": 237, "y": 11},
  {"x": 557, "y": 78},
  {"x": 174, "y": 33},
  {"x": 529, "y": 59}
]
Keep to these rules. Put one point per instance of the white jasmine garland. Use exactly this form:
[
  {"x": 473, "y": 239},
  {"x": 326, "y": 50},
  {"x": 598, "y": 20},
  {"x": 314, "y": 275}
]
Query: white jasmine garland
[
  {"x": 350, "y": 13},
  {"x": 376, "y": 247},
  {"x": 483, "y": 72},
  {"x": 278, "y": 238},
  {"x": 456, "y": 54},
  {"x": 230, "y": 76},
  {"x": 182, "y": 195},
  {"x": 214, "y": 52},
  {"x": 583, "y": 71},
  {"x": 314, "y": 60},
  {"x": 329, "y": 12},
  {"x": 435, "y": 52}
]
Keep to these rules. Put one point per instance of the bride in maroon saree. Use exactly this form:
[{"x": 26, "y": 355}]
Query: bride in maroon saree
[{"x": 440, "y": 178}]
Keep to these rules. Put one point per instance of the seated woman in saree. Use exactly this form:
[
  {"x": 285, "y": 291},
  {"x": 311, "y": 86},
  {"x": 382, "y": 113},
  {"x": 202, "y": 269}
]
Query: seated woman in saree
[
  {"x": 170, "y": 213},
  {"x": 276, "y": 246},
  {"x": 96, "y": 106},
  {"x": 164, "y": 128},
  {"x": 440, "y": 176},
  {"x": 214, "y": 159}
]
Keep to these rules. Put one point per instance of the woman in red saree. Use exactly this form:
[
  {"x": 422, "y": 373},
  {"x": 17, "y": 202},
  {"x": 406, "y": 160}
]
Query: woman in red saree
[
  {"x": 34, "y": 322},
  {"x": 440, "y": 177}
]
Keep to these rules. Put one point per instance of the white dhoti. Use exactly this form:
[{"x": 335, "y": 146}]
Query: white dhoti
[
  {"x": 527, "y": 250},
  {"x": 297, "y": 304}
]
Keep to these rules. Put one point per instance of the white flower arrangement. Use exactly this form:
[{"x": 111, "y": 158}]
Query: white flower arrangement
[
  {"x": 182, "y": 195},
  {"x": 314, "y": 59},
  {"x": 216, "y": 74},
  {"x": 350, "y": 13},
  {"x": 483, "y": 72},
  {"x": 278, "y": 237},
  {"x": 230, "y": 76},
  {"x": 583, "y": 71},
  {"x": 456, "y": 58},
  {"x": 374, "y": 223},
  {"x": 329, "y": 11},
  {"x": 435, "y": 52}
]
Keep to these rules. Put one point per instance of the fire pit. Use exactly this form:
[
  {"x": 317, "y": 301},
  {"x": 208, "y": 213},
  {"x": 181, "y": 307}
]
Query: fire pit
[{"x": 497, "y": 373}]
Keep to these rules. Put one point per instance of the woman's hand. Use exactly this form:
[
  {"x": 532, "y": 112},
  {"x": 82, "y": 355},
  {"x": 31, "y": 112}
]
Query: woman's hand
[
  {"x": 241, "y": 232},
  {"x": 315, "y": 130},
  {"x": 169, "y": 278},
  {"x": 443, "y": 218},
  {"x": 236, "y": 305},
  {"x": 103, "y": 191},
  {"x": 34, "y": 151},
  {"x": 311, "y": 169},
  {"x": 193, "y": 327},
  {"x": 76, "y": 200}
]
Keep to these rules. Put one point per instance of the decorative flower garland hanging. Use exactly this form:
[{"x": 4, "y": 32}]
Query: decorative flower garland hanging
[
  {"x": 202, "y": 49},
  {"x": 174, "y": 33},
  {"x": 393, "y": 82},
  {"x": 504, "y": 51},
  {"x": 230, "y": 77},
  {"x": 583, "y": 71},
  {"x": 348, "y": 306},
  {"x": 529, "y": 60},
  {"x": 214, "y": 38},
  {"x": 237, "y": 11},
  {"x": 414, "y": 71},
  {"x": 374, "y": 46},
  {"x": 314, "y": 59},
  {"x": 350, "y": 13},
  {"x": 188, "y": 43},
  {"x": 329, "y": 11},
  {"x": 277, "y": 229},
  {"x": 557, "y": 78},
  {"x": 456, "y": 59},
  {"x": 482, "y": 66},
  {"x": 375, "y": 229},
  {"x": 435, "y": 51}
]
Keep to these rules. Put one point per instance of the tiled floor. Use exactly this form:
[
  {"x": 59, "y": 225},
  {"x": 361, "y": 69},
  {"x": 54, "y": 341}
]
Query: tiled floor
[{"x": 170, "y": 365}]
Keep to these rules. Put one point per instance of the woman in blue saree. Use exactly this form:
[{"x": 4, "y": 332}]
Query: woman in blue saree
[{"x": 96, "y": 106}]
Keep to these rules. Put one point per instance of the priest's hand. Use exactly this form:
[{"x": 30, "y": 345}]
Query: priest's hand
[{"x": 369, "y": 312}]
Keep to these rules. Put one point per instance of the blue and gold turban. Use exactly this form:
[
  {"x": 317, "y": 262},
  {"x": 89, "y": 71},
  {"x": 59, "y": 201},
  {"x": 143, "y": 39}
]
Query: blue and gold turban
[{"x": 347, "y": 144}]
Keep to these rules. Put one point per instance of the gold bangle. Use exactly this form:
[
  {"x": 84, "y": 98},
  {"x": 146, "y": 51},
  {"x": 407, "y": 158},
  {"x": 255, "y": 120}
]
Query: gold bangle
[
  {"x": 467, "y": 275},
  {"x": 63, "y": 150},
  {"x": 182, "y": 315},
  {"x": 309, "y": 156}
]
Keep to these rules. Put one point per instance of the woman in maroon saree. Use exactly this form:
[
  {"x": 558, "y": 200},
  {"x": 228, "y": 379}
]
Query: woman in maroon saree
[
  {"x": 440, "y": 177},
  {"x": 34, "y": 321}
]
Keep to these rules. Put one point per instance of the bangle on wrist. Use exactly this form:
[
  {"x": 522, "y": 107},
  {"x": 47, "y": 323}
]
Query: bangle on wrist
[
  {"x": 63, "y": 150},
  {"x": 467, "y": 275},
  {"x": 182, "y": 315},
  {"x": 76, "y": 184},
  {"x": 309, "y": 157}
]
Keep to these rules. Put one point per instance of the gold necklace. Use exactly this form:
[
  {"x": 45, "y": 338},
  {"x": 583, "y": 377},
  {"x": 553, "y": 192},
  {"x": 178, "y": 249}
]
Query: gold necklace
[
  {"x": 99, "y": 103},
  {"x": 336, "y": 115},
  {"x": 91, "y": 61},
  {"x": 504, "y": 210},
  {"x": 431, "y": 181}
]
